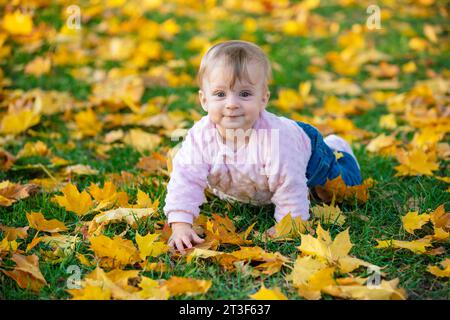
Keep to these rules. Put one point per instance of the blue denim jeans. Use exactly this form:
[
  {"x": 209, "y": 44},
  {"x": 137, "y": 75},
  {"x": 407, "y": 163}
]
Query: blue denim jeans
[{"x": 323, "y": 164}]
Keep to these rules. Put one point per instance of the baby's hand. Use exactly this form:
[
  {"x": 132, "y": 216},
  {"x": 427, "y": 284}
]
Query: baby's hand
[{"x": 182, "y": 235}]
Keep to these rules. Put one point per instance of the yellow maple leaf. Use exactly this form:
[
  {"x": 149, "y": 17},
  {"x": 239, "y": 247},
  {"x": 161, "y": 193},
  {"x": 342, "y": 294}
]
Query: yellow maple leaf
[
  {"x": 8, "y": 246},
  {"x": 142, "y": 140},
  {"x": 304, "y": 268},
  {"x": 409, "y": 67},
  {"x": 106, "y": 193},
  {"x": 438, "y": 272},
  {"x": 17, "y": 23},
  {"x": 37, "y": 148},
  {"x": 258, "y": 254},
  {"x": 427, "y": 138},
  {"x": 122, "y": 278},
  {"x": 188, "y": 286},
  {"x": 416, "y": 246},
  {"x": 38, "y": 66},
  {"x": 325, "y": 249},
  {"x": 88, "y": 123},
  {"x": 329, "y": 214},
  {"x": 129, "y": 215},
  {"x": 5, "y": 202},
  {"x": 289, "y": 228},
  {"x": 268, "y": 294},
  {"x": 440, "y": 218},
  {"x": 222, "y": 230},
  {"x": 113, "y": 284},
  {"x": 169, "y": 28},
  {"x": 418, "y": 44},
  {"x": 386, "y": 290},
  {"x": 15, "y": 123},
  {"x": 121, "y": 251},
  {"x": 382, "y": 144},
  {"x": 73, "y": 200},
  {"x": 151, "y": 289},
  {"x": 38, "y": 222},
  {"x": 331, "y": 252},
  {"x": 284, "y": 226},
  {"x": 445, "y": 179},
  {"x": 388, "y": 121},
  {"x": 106, "y": 196},
  {"x": 79, "y": 169},
  {"x": 33, "y": 243},
  {"x": 84, "y": 260},
  {"x": 335, "y": 106},
  {"x": 289, "y": 99},
  {"x": 202, "y": 254},
  {"x": 90, "y": 293},
  {"x": 440, "y": 234},
  {"x": 317, "y": 282},
  {"x": 413, "y": 221},
  {"x": 148, "y": 246},
  {"x": 415, "y": 163},
  {"x": 144, "y": 201}
]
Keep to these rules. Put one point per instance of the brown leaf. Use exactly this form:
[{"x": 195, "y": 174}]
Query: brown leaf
[
  {"x": 26, "y": 272},
  {"x": 11, "y": 233},
  {"x": 341, "y": 191},
  {"x": 11, "y": 192},
  {"x": 6, "y": 160}
]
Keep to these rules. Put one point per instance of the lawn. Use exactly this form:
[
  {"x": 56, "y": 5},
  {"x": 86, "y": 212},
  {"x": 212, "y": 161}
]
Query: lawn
[{"x": 90, "y": 107}]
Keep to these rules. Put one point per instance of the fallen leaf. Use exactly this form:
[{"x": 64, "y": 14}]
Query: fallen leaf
[
  {"x": 187, "y": 286},
  {"x": 148, "y": 246},
  {"x": 413, "y": 221},
  {"x": 27, "y": 273},
  {"x": 268, "y": 294},
  {"x": 38, "y": 222},
  {"x": 73, "y": 200},
  {"x": 416, "y": 246},
  {"x": 438, "y": 272},
  {"x": 117, "y": 251}
]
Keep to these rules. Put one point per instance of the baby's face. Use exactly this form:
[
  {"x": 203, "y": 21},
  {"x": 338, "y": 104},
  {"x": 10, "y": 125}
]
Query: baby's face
[{"x": 238, "y": 107}]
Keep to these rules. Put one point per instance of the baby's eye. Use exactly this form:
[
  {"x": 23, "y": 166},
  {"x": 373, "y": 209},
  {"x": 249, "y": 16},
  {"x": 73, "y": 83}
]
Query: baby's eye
[
  {"x": 220, "y": 94},
  {"x": 245, "y": 94}
]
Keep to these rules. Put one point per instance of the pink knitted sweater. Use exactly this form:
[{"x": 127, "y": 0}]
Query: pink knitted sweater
[{"x": 270, "y": 168}]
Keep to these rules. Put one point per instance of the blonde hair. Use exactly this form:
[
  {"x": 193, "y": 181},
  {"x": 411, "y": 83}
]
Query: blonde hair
[{"x": 236, "y": 54}]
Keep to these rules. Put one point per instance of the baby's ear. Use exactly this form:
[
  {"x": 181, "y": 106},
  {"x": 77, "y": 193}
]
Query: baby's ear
[
  {"x": 266, "y": 98},
  {"x": 202, "y": 98}
]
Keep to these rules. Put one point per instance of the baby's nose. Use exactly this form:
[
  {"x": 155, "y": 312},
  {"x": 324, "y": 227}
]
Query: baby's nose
[
  {"x": 232, "y": 102},
  {"x": 232, "y": 106}
]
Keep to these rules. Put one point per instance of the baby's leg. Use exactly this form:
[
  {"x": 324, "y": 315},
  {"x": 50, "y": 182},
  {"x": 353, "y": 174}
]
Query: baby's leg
[
  {"x": 337, "y": 143},
  {"x": 324, "y": 165}
]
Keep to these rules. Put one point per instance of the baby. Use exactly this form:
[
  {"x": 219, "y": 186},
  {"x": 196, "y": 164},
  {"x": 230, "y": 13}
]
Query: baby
[{"x": 241, "y": 152}]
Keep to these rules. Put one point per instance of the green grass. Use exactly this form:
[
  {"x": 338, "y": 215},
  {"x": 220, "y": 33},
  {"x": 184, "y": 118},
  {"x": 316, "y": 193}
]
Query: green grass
[{"x": 379, "y": 218}]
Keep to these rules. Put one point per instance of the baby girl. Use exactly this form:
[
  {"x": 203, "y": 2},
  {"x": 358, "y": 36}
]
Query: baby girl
[{"x": 241, "y": 152}]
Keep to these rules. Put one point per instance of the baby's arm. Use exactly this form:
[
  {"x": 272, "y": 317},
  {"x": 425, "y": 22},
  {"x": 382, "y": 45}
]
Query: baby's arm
[{"x": 185, "y": 192}]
